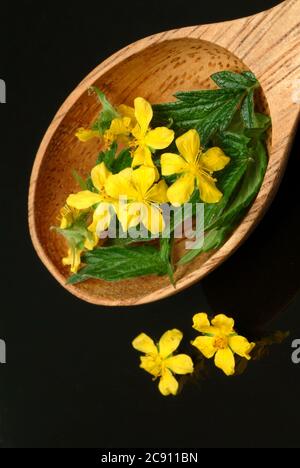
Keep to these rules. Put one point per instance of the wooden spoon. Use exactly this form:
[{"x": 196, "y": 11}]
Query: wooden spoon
[{"x": 156, "y": 67}]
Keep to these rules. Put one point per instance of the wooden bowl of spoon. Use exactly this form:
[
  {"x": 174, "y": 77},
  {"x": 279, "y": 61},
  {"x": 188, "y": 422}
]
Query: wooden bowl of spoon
[{"x": 156, "y": 67}]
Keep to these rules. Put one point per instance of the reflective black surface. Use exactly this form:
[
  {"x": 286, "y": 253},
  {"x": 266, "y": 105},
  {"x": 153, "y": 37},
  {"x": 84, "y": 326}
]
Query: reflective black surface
[{"x": 72, "y": 377}]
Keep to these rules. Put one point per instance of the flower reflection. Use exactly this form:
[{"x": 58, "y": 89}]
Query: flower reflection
[{"x": 204, "y": 370}]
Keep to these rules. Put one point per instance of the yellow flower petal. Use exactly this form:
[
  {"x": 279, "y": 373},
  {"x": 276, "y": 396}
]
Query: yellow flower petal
[
  {"x": 143, "y": 178},
  {"x": 224, "y": 360},
  {"x": 223, "y": 323},
  {"x": 152, "y": 219},
  {"x": 120, "y": 126},
  {"x": 143, "y": 113},
  {"x": 172, "y": 164},
  {"x": 127, "y": 111},
  {"x": 241, "y": 346},
  {"x": 99, "y": 175},
  {"x": 180, "y": 192},
  {"x": 73, "y": 259},
  {"x": 209, "y": 193},
  {"x": 132, "y": 215},
  {"x": 85, "y": 134},
  {"x": 205, "y": 344},
  {"x": 145, "y": 344},
  {"x": 214, "y": 159},
  {"x": 151, "y": 364},
  {"x": 119, "y": 185},
  {"x": 129, "y": 214},
  {"x": 101, "y": 218},
  {"x": 83, "y": 200},
  {"x": 136, "y": 132},
  {"x": 201, "y": 322},
  {"x": 188, "y": 145},
  {"x": 168, "y": 385},
  {"x": 180, "y": 364},
  {"x": 68, "y": 216},
  {"x": 158, "y": 193},
  {"x": 169, "y": 342},
  {"x": 142, "y": 157},
  {"x": 159, "y": 138}
]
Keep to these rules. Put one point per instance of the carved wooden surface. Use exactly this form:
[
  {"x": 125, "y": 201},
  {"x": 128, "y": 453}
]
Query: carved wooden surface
[{"x": 155, "y": 67}]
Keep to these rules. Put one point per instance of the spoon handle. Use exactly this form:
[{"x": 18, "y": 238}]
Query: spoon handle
[{"x": 269, "y": 44}]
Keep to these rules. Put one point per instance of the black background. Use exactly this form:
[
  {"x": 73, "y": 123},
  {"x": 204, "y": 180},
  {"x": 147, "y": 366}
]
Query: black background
[{"x": 72, "y": 378}]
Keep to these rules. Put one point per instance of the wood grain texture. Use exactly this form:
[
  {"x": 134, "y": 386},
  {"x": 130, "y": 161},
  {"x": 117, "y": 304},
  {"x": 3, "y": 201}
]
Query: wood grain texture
[{"x": 155, "y": 67}]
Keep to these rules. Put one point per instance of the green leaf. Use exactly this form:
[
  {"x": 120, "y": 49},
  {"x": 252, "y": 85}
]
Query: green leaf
[
  {"x": 90, "y": 185},
  {"x": 115, "y": 163},
  {"x": 122, "y": 161},
  {"x": 207, "y": 111},
  {"x": 228, "y": 182},
  {"x": 247, "y": 111},
  {"x": 177, "y": 220},
  {"x": 250, "y": 185},
  {"x": 166, "y": 245},
  {"x": 117, "y": 263},
  {"x": 80, "y": 181},
  {"x": 212, "y": 240},
  {"x": 237, "y": 81},
  {"x": 243, "y": 173},
  {"x": 263, "y": 122},
  {"x": 108, "y": 157},
  {"x": 107, "y": 114},
  {"x": 123, "y": 241},
  {"x": 76, "y": 234},
  {"x": 235, "y": 145}
]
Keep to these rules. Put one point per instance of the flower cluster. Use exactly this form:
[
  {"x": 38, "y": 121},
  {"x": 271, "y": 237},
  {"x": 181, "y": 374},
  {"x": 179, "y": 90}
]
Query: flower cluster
[
  {"x": 134, "y": 193},
  {"x": 218, "y": 339}
]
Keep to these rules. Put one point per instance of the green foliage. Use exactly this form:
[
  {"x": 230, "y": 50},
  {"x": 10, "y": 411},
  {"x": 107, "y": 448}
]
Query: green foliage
[
  {"x": 117, "y": 263},
  {"x": 113, "y": 161},
  {"x": 240, "y": 181},
  {"x": 224, "y": 117},
  {"x": 208, "y": 111}
]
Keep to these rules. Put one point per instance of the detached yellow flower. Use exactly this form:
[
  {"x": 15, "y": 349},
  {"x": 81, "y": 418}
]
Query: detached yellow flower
[
  {"x": 193, "y": 167},
  {"x": 87, "y": 199},
  {"x": 139, "y": 195},
  {"x": 160, "y": 362},
  {"x": 145, "y": 139},
  {"x": 220, "y": 341},
  {"x": 86, "y": 134}
]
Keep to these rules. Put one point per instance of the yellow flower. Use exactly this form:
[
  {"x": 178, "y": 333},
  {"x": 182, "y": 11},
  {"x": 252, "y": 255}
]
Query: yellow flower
[
  {"x": 67, "y": 216},
  {"x": 121, "y": 127},
  {"x": 146, "y": 139},
  {"x": 87, "y": 199},
  {"x": 194, "y": 166},
  {"x": 220, "y": 341},
  {"x": 160, "y": 362},
  {"x": 142, "y": 194},
  {"x": 73, "y": 259},
  {"x": 85, "y": 134}
]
